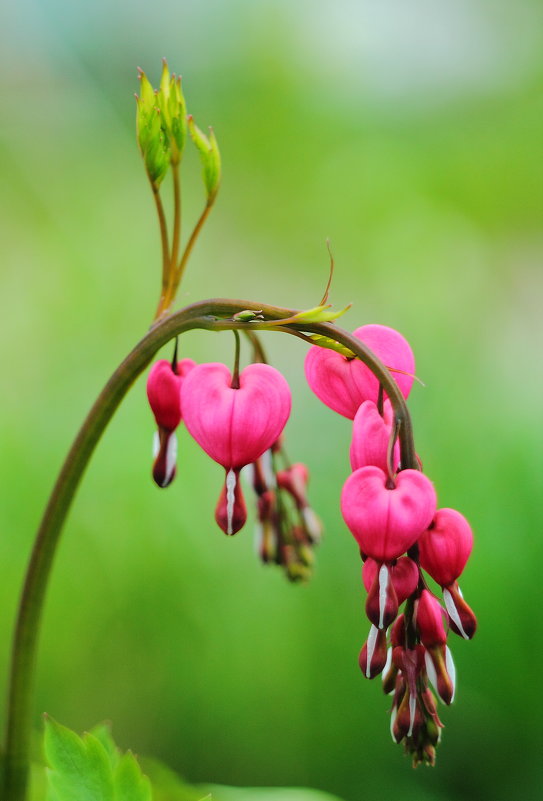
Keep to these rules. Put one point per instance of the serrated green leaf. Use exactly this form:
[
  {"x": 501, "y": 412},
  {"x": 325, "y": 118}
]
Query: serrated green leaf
[
  {"x": 79, "y": 768},
  {"x": 130, "y": 783},
  {"x": 102, "y": 732}
]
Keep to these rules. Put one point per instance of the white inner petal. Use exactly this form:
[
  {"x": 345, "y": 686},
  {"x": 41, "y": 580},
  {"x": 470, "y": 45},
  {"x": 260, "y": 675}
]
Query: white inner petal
[
  {"x": 451, "y": 670},
  {"x": 230, "y": 500},
  {"x": 370, "y": 649},
  {"x": 412, "y": 710},
  {"x": 453, "y": 612},
  {"x": 387, "y": 665},
  {"x": 383, "y": 586},
  {"x": 267, "y": 468},
  {"x": 156, "y": 444},
  {"x": 312, "y": 523},
  {"x": 171, "y": 457}
]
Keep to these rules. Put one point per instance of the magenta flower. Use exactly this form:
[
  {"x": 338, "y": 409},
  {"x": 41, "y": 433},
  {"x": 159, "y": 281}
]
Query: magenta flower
[
  {"x": 446, "y": 545},
  {"x": 235, "y": 425},
  {"x": 344, "y": 384},
  {"x": 164, "y": 393},
  {"x": 371, "y": 435},
  {"x": 444, "y": 550},
  {"x": 387, "y": 520}
]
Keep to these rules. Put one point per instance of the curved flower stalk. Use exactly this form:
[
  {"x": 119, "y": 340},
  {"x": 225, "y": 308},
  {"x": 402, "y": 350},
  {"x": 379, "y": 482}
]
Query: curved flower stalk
[{"x": 238, "y": 419}]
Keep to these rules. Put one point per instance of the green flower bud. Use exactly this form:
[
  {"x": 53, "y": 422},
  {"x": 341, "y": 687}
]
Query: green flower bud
[
  {"x": 209, "y": 153},
  {"x": 174, "y": 112},
  {"x": 152, "y": 138}
]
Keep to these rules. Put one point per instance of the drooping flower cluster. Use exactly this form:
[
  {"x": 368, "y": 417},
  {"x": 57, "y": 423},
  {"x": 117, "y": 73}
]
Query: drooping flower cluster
[
  {"x": 238, "y": 421},
  {"x": 392, "y": 514}
]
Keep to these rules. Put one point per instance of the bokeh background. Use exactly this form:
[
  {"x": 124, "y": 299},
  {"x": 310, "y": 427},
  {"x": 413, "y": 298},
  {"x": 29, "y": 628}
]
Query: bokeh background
[{"x": 407, "y": 131}]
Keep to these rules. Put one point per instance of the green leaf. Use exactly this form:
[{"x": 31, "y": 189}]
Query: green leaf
[
  {"x": 167, "y": 785},
  {"x": 102, "y": 732},
  {"x": 130, "y": 783},
  {"x": 79, "y": 768},
  {"x": 219, "y": 793},
  {"x": 331, "y": 344}
]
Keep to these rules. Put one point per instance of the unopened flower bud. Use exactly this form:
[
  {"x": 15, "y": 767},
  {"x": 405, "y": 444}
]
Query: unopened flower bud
[
  {"x": 373, "y": 656},
  {"x": 382, "y": 602},
  {"x": 428, "y": 617},
  {"x": 441, "y": 672},
  {"x": 231, "y": 512},
  {"x": 461, "y": 616}
]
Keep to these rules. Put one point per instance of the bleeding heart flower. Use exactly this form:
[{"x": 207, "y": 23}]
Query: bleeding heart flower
[
  {"x": 344, "y": 384},
  {"x": 371, "y": 435},
  {"x": 235, "y": 425},
  {"x": 385, "y": 521},
  {"x": 446, "y": 545},
  {"x": 164, "y": 393}
]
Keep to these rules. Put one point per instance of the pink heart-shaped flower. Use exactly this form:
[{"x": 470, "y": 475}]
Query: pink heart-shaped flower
[
  {"x": 164, "y": 391},
  {"x": 235, "y": 426},
  {"x": 387, "y": 522},
  {"x": 371, "y": 435},
  {"x": 445, "y": 547},
  {"x": 344, "y": 384}
]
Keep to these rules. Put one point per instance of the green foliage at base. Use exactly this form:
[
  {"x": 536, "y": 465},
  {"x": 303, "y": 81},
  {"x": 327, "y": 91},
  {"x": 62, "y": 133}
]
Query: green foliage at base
[{"x": 92, "y": 768}]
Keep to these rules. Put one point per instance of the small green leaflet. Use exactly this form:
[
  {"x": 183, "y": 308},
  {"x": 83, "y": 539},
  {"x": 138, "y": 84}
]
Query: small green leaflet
[{"x": 90, "y": 768}]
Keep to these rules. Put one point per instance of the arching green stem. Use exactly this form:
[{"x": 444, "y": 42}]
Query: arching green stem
[{"x": 211, "y": 315}]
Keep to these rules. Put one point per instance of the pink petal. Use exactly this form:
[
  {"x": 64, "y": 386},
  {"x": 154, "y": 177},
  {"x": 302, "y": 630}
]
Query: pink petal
[
  {"x": 371, "y": 435},
  {"x": 387, "y": 522},
  {"x": 344, "y": 384},
  {"x": 235, "y": 426},
  {"x": 445, "y": 547}
]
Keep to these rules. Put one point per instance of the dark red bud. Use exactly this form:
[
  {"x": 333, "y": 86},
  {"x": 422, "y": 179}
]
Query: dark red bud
[
  {"x": 429, "y": 617},
  {"x": 230, "y": 512},
  {"x": 461, "y": 617},
  {"x": 382, "y": 601},
  {"x": 373, "y": 655},
  {"x": 441, "y": 671},
  {"x": 165, "y": 453}
]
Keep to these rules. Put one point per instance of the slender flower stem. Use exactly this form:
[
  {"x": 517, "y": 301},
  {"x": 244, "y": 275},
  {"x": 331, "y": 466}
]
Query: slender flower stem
[
  {"x": 163, "y": 237},
  {"x": 176, "y": 215},
  {"x": 189, "y": 246},
  {"x": 209, "y": 315},
  {"x": 235, "y": 371}
]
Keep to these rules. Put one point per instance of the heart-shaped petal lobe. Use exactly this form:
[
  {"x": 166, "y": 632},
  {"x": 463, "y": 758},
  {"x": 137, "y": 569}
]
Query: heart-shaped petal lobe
[
  {"x": 371, "y": 435},
  {"x": 386, "y": 522},
  {"x": 445, "y": 547},
  {"x": 235, "y": 426},
  {"x": 344, "y": 384}
]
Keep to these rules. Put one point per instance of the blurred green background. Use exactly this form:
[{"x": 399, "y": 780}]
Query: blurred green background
[{"x": 410, "y": 133}]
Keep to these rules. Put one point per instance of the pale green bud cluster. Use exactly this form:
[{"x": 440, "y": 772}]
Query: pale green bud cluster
[{"x": 162, "y": 131}]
